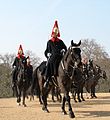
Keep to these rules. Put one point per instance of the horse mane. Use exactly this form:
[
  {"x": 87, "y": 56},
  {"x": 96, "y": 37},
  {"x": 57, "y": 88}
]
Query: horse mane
[
  {"x": 76, "y": 48},
  {"x": 66, "y": 54}
]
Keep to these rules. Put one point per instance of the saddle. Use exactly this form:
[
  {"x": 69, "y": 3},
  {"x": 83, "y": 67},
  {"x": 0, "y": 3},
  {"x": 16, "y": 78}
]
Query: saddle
[{"x": 42, "y": 67}]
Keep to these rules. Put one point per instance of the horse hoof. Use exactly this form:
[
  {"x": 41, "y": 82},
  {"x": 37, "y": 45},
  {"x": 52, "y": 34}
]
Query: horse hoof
[
  {"x": 80, "y": 101},
  {"x": 18, "y": 104},
  {"x": 41, "y": 103},
  {"x": 54, "y": 101},
  {"x": 25, "y": 105},
  {"x": 64, "y": 112},
  {"x": 71, "y": 114},
  {"x": 83, "y": 99},
  {"x": 59, "y": 101},
  {"x": 45, "y": 109}
]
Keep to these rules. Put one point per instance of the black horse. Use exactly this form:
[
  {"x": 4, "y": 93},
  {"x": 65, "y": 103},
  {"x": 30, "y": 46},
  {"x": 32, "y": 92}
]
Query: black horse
[
  {"x": 63, "y": 80},
  {"x": 78, "y": 84},
  {"x": 94, "y": 74},
  {"x": 38, "y": 81},
  {"x": 22, "y": 83},
  {"x": 98, "y": 73}
]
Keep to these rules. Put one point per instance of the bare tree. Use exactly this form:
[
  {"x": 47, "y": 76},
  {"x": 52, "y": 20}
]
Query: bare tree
[
  {"x": 7, "y": 59},
  {"x": 6, "y": 62},
  {"x": 93, "y": 50},
  {"x": 35, "y": 60}
]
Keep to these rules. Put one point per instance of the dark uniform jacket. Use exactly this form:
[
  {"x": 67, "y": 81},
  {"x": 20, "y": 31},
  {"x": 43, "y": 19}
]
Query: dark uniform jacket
[
  {"x": 16, "y": 64},
  {"x": 55, "y": 47},
  {"x": 16, "y": 61},
  {"x": 53, "y": 62},
  {"x": 30, "y": 71}
]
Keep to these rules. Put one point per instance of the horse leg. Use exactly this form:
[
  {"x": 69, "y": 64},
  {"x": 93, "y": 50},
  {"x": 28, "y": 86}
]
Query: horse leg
[
  {"x": 59, "y": 97},
  {"x": 63, "y": 105},
  {"x": 15, "y": 89},
  {"x": 74, "y": 95},
  {"x": 71, "y": 113},
  {"x": 88, "y": 92},
  {"x": 53, "y": 98},
  {"x": 78, "y": 94},
  {"x": 31, "y": 97},
  {"x": 44, "y": 108},
  {"x": 24, "y": 95},
  {"x": 39, "y": 96},
  {"x": 82, "y": 95},
  {"x": 53, "y": 93},
  {"x": 92, "y": 96},
  {"x": 44, "y": 99},
  {"x": 18, "y": 93},
  {"x": 94, "y": 92}
]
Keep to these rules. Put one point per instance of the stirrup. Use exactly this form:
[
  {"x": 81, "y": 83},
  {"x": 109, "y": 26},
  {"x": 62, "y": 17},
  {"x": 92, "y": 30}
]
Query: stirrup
[
  {"x": 65, "y": 71},
  {"x": 54, "y": 81},
  {"x": 46, "y": 83}
]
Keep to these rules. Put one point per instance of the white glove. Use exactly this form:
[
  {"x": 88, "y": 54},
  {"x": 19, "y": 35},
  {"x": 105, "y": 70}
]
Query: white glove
[
  {"x": 62, "y": 51},
  {"x": 48, "y": 54}
]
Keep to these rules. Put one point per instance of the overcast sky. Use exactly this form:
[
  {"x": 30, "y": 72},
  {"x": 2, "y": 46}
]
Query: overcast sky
[{"x": 30, "y": 23}]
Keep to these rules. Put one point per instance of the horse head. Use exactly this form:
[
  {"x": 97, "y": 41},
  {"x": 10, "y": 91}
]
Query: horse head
[
  {"x": 104, "y": 75},
  {"x": 75, "y": 52},
  {"x": 22, "y": 69}
]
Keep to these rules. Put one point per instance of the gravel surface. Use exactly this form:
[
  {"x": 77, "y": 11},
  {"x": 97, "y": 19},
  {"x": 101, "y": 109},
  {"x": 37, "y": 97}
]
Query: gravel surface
[{"x": 91, "y": 109}]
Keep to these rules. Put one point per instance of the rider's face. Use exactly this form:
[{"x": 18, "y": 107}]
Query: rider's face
[
  {"x": 55, "y": 34},
  {"x": 20, "y": 52}
]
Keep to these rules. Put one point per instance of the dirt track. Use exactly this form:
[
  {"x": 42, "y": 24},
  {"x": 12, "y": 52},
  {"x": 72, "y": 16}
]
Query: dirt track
[{"x": 92, "y": 109}]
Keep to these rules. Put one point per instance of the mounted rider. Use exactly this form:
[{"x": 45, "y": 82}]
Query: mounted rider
[
  {"x": 54, "y": 52},
  {"x": 29, "y": 69},
  {"x": 85, "y": 66},
  {"x": 15, "y": 65}
]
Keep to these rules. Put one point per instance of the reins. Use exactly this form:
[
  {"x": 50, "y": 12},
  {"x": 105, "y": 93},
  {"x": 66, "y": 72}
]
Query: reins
[{"x": 72, "y": 60}]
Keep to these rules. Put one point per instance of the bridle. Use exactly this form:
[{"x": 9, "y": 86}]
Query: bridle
[
  {"x": 22, "y": 68},
  {"x": 74, "y": 59}
]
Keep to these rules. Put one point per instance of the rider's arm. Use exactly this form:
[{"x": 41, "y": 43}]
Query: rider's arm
[
  {"x": 14, "y": 63},
  {"x": 48, "y": 50}
]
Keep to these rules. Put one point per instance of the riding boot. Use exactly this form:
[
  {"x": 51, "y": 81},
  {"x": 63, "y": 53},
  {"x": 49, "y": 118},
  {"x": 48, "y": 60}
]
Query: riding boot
[
  {"x": 14, "y": 77},
  {"x": 13, "y": 83}
]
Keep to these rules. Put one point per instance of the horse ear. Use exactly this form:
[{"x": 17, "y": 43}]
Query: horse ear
[
  {"x": 74, "y": 44},
  {"x": 79, "y": 43},
  {"x": 27, "y": 57}
]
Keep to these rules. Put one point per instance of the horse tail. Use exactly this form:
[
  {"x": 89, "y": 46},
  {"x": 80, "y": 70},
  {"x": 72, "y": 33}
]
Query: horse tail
[{"x": 35, "y": 84}]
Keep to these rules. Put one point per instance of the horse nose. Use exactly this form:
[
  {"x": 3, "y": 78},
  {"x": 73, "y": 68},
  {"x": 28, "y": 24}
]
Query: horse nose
[{"x": 79, "y": 63}]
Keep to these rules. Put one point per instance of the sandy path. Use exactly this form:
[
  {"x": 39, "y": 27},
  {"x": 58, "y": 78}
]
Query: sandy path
[{"x": 91, "y": 109}]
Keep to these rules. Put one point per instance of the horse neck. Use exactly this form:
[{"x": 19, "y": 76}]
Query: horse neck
[
  {"x": 67, "y": 61},
  {"x": 97, "y": 77}
]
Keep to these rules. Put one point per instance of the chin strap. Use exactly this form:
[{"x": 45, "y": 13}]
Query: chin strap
[{"x": 62, "y": 64}]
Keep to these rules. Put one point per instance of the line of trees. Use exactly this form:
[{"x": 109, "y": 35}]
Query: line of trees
[
  {"x": 6, "y": 62},
  {"x": 89, "y": 48},
  {"x": 96, "y": 52}
]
